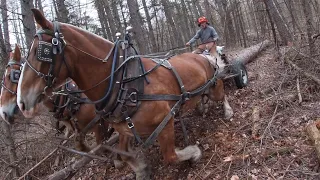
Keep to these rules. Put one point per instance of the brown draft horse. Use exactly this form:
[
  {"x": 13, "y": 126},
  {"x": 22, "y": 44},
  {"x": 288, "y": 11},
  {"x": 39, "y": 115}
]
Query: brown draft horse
[
  {"x": 8, "y": 104},
  {"x": 82, "y": 58}
]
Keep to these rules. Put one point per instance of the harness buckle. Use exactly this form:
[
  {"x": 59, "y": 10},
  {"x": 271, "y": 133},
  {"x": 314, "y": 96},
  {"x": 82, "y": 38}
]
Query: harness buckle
[
  {"x": 134, "y": 99},
  {"x": 130, "y": 125},
  {"x": 55, "y": 41}
]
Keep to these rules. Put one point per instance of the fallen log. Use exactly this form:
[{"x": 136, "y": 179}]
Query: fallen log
[
  {"x": 249, "y": 54},
  {"x": 69, "y": 171},
  {"x": 314, "y": 135}
]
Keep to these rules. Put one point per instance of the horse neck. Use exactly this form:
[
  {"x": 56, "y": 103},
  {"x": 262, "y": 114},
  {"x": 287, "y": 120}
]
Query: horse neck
[{"x": 88, "y": 70}]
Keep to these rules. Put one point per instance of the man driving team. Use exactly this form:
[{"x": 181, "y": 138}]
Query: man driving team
[{"x": 208, "y": 37}]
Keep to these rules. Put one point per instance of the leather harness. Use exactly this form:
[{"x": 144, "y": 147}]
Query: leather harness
[{"x": 126, "y": 88}]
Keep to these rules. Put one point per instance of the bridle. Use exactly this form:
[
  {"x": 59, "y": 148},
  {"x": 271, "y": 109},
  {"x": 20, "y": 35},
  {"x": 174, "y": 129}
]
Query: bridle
[
  {"x": 14, "y": 76},
  {"x": 47, "y": 52}
]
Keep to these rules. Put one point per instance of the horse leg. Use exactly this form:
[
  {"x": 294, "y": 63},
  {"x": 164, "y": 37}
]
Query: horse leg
[
  {"x": 138, "y": 164},
  {"x": 167, "y": 146},
  {"x": 228, "y": 112},
  {"x": 79, "y": 139},
  {"x": 217, "y": 94}
]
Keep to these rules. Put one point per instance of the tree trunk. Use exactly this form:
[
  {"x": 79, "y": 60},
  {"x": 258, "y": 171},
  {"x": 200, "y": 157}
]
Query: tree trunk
[
  {"x": 308, "y": 15},
  {"x": 11, "y": 148},
  {"x": 29, "y": 27},
  {"x": 241, "y": 25},
  {"x": 248, "y": 55},
  {"x": 174, "y": 34},
  {"x": 137, "y": 24},
  {"x": 115, "y": 14},
  {"x": 150, "y": 33},
  {"x": 102, "y": 19},
  {"x": 40, "y": 5},
  {"x": 5, "y": 25},
  {"x": 4, "y": 55},
  {"x": 282, "y": 27},
  {"x": 63, "y": 13},
  {"x": 291, "y": 10},
  {"x": 272, "y": 28},
  {"x": 110, "y": 18}
]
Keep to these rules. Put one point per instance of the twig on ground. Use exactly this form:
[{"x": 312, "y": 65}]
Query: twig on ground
[
  {"x": 298, "y": 91},
  {"x": 269, "y": 124},
  {"x": 45, "y": 158},
  {"x": 268, "y": 171},
  {"x": 227, "y": 175},
  {"x": 83, "y": 153}
]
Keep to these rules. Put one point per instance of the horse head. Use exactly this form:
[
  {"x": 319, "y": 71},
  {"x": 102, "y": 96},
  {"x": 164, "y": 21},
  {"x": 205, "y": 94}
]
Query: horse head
[
  {"x": 8, "y": 105},
  {"x": 59, "y": 51}
]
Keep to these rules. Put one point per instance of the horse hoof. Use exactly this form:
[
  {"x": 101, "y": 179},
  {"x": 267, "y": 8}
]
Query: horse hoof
[
  {"x": 228, "y": 115},
  {"x": 144, "y": 174},
  {"x": 197, "y": 154},
  {"x": 118, "y": 164}
]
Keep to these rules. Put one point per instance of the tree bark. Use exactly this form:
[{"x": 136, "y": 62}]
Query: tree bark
[
  {"x": 63, "y": 13},
  {"x": 5, "y": 25},
  {"x": 248, "y": 55},
  {"x": 282, "y": 27},
  {"x": 102, "y": 19},
  {"x": 174, "y": 34},
  {"x": 137, "y": 24},
  {"x": 9, "y": 142},
  {"x": 110, "y": 18},
  {"x": 29, "y": 27},
  {"x": 150, "y": 33},
  {"x": 115, "y": 14},
  {"x": 308, "y": 15},
  {"x": 4, "y": 55}
]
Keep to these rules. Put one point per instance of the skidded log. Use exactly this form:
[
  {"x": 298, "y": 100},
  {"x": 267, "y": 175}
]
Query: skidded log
[
  {"x": 249, "y": 54},
  {"x": 314, "y": 135}
]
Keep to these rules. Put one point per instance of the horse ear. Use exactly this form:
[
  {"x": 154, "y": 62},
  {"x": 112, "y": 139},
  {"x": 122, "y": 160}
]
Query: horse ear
[
  {"x": 17, "y": 53},
  {"x": 40, "y": 19}
]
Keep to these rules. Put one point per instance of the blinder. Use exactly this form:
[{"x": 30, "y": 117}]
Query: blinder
[
  {"x": 15, "y": 75},
  {"x": 45, "y": 52}
]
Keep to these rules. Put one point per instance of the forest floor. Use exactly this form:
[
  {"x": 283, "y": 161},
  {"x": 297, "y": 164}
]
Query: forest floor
[{"x": 273, "y": 146}]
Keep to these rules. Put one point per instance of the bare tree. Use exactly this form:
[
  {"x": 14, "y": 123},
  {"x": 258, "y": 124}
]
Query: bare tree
[
  {"x": 282, "y": 27},
  {"x": 137, "y": 24},
  {"x": 5, "y": 25},
  {"x": 308, "y": 15},
  {"x": 29, "y": 27},
  {"x": 63, "y": 13},
  {"x": 174, "y": 34},
  {"x": 4, "y": 54},
  {"x": 102, "y": 18},
  {"x": 150, "y": 28}
]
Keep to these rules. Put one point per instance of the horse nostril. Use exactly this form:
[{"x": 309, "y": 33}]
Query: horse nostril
[
  {"x": 23, "y": 107},
  {"x": 5, "y": 115}
]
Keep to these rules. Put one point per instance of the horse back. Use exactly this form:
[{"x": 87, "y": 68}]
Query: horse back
[{"x": 193, "y": 69}]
